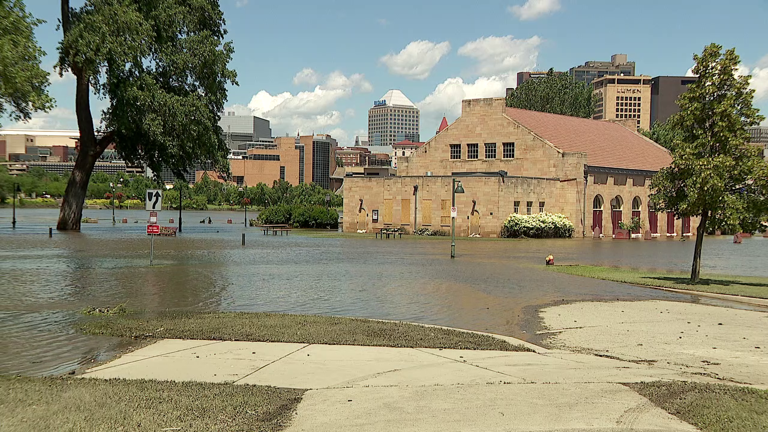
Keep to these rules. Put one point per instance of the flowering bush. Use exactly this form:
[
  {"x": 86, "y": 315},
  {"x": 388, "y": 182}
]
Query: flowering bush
[
  {"x": 541, "y": 225},
  {"x": 430, "y": 233}
]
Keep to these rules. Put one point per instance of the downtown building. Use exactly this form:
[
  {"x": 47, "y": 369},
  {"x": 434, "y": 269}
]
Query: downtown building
[
  {"x": 392, "y": 119},
  {"x": 592, "y": 70},
  {"x": 623, "y": 98}
]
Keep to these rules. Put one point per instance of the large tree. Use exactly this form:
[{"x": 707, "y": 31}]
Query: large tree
[
  {"x": 162, "y": 67},
  {"x": 715, "y": 174},
  {"x": 664, "y": 133},
  {"x": 556, "y": 93},
  {"x": 23, "y": 84}
]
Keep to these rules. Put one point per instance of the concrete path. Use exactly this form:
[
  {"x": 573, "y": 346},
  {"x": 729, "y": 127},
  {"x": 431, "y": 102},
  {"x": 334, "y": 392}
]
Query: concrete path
[
  {"x": 377, "y": 389},
  {"x": 726, "y": 343}
]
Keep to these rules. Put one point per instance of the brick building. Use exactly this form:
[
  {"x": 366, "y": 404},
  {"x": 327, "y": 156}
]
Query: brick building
[
  {"x": 623, "y": 98},
  {"x": 510, "y": 160},
  {"x": 306, "y": 159}
]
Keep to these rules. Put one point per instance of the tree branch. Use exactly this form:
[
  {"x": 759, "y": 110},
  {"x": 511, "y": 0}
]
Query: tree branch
[{"x": 104, "y": 142}]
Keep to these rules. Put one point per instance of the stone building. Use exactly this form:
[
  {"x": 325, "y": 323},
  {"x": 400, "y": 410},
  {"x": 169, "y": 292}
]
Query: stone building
[{"x": 510, "y": 160}]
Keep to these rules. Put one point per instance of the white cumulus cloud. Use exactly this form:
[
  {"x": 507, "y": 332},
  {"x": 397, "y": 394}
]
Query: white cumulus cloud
[
  {"x": 417, "y": 59},
  {"x": 535, "y": 9},
  {"x": 498, "y": 59},
  {"x": 498, "y": 55},
  {"x": 57, "y": 118},
  {"x": 305, "y": 111},
  {"x": 306, "y": 76}
]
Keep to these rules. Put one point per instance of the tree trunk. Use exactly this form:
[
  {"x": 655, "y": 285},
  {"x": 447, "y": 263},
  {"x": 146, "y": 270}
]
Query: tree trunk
[
  {"x": 700, "y": 231},
  {"x": 74, "y": 197}
]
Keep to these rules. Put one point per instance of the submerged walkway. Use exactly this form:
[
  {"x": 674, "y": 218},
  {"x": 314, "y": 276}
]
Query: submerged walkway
[{"x": 377, "y": 389}]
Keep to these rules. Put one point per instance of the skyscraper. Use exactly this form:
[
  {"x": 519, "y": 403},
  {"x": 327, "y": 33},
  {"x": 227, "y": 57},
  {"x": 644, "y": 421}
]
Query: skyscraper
[{"x": 392, "y": 119}]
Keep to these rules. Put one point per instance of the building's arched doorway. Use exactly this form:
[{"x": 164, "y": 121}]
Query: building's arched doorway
[
  {"x": 617, "y": 206},
  {"x": 687, "y": 225},
  {"x": 653, "y": 219},
  {"x": 636, "y": 207},
  {"x": 597, "y": 213},
  {"x": 670, "y": 224}
]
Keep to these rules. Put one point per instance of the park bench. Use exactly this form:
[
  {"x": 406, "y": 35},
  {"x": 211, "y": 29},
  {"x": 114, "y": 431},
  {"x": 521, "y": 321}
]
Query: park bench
[
  {"x": 394, "y": 232},
  {"x": 282, "y": 228}
]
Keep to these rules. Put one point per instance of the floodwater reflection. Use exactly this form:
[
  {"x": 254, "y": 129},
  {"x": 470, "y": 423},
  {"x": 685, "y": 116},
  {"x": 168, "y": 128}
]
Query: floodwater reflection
[{"x": 492, "y": 286}]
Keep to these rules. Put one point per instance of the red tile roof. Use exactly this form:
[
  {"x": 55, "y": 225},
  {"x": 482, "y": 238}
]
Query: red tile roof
[
  {"x": 408, "y": 143},
  {"x": 607, "y": 144},
  {"x": 443, "y": 125}
]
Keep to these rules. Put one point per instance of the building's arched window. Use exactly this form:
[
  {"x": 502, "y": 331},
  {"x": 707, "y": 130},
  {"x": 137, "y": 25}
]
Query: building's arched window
[
  {"x": 617, "y": 203},
  {"x": 636, "y": 204},
  {"x": 597, "y": 203}
]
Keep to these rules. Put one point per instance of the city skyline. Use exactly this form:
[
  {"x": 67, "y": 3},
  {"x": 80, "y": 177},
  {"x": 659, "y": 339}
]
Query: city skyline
[{"x": 312, "y": 80}]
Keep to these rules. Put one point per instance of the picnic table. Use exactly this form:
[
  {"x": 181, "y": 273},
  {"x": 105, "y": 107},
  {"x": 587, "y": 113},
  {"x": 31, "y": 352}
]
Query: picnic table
[
  {"x": 394, "y": 232},
  {"x": 275, "y": 228}
]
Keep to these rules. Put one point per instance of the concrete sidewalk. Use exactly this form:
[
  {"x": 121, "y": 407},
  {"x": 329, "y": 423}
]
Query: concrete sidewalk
[{"x": 375, "y": 388}]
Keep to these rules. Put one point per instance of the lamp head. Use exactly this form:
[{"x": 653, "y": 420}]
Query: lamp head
[{"x": 459, "y": 188}]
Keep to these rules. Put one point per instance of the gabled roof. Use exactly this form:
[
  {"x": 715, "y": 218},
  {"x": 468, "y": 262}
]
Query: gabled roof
[
  {"x": 443, "y": 125},
  {"x": 607, "y": 144},
  {"x": 396, "y": 97},
  {"x": 408, "y": 143}
]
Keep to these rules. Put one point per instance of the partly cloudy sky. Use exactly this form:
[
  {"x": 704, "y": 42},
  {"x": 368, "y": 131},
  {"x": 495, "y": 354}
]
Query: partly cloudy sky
[{"x": 318, "y": 67}]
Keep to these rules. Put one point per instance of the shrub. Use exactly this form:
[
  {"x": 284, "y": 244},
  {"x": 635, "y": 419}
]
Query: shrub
[
  {"x": 430, "y": 233},
  {"x": 541, "y": 225},
  {"x": 300, "y": 216}
]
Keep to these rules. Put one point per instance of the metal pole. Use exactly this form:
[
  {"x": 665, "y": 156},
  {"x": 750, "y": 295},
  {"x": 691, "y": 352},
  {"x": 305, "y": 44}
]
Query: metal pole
[
  {"x": 243, "y": 239},
  {"x": 113, "y": 203},
  {"x": 180, "y": 205},
  {"x": 15, "y": 188},
  {"x": 245, "y": 204},
  {"x": 151, "y": 248},
  {"x": 453, "y": 219}
]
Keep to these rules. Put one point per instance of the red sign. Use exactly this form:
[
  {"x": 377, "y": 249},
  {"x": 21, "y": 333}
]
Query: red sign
[{"x": 153, "y": 229}]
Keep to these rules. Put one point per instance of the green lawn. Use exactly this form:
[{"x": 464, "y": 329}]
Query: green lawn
[
  {"x": 77, "y": 404},
  {"x": 720, "y": 284},
  {"x": 710, "y": 407},
  {"x": 266, "y": 327}
]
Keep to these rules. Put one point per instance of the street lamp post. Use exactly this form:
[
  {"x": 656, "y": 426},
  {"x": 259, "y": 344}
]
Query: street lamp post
[
  {"x": 245, "y": 204},
  {"x": 328, "y": 200},
  {"x": 455, "y": 188},
  {"x": 112, "y": 185},
  {"x": 15, "y": 189},
  {"x": 181, "y": 191}
]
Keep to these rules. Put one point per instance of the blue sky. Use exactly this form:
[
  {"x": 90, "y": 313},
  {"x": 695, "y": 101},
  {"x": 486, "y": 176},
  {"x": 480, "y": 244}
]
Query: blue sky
[{"x": 318, "y": 66}]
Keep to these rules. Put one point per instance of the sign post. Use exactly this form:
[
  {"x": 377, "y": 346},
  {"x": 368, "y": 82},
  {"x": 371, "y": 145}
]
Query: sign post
[{"x": 153, "y": 205}]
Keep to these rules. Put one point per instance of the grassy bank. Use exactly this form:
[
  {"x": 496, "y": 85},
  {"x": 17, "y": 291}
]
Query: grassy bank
[
  {"x": 266, "y": 327},
  {"x": 719, "y": 284},
  {"x": 70, "y": 404},
  {"x": 710, "y": 407}
]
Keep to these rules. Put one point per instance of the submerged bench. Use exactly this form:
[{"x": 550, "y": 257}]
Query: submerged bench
[{"x": 394, "y": 232}]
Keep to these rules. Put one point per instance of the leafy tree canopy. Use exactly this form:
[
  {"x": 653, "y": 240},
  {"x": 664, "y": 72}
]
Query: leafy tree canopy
[
  {"x": 715, "y": 174},
  {"x": 664, "y": 133},
  {"x": 556, "y": 94},
  {"x": 23, "y": 84}
]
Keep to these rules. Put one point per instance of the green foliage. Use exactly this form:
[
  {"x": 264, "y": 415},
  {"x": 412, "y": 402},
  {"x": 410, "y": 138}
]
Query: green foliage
[
  {"x": 634, "y": 225},
  {"x": 430, "y": 232},
  {"x": 300, "y": 216},
  {"x": 664, "y": 133},
  {"x": 162, "y": 67},
  {"x": 715, "y": 174},
  {"x": 540, "y": 225},
  {"x": 23, "y": 83},
  {"x": 556, "y": 94}
]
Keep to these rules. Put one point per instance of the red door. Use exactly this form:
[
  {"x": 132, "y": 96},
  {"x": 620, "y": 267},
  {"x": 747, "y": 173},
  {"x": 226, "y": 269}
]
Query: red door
[
  {"x": 653, "y": 222},
  {"x": 615, "y": 219},
  {"x": 636, "y": 214},
  {"x": 597, "y": 220},
  {"x": 670, "y": 223},
  {"x": 687, "y": 225}
]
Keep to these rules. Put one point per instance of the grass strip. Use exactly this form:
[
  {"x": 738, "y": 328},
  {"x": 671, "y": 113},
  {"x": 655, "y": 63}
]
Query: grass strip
[
  {"x": 719, "y": 284},
  {"x": 710, "y": 407},
  {"x": 75, "y": 404},
  {"x": 269, "y": 327}
]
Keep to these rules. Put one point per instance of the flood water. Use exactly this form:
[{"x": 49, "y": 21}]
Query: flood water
[{"x": 494, "y": 286}]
